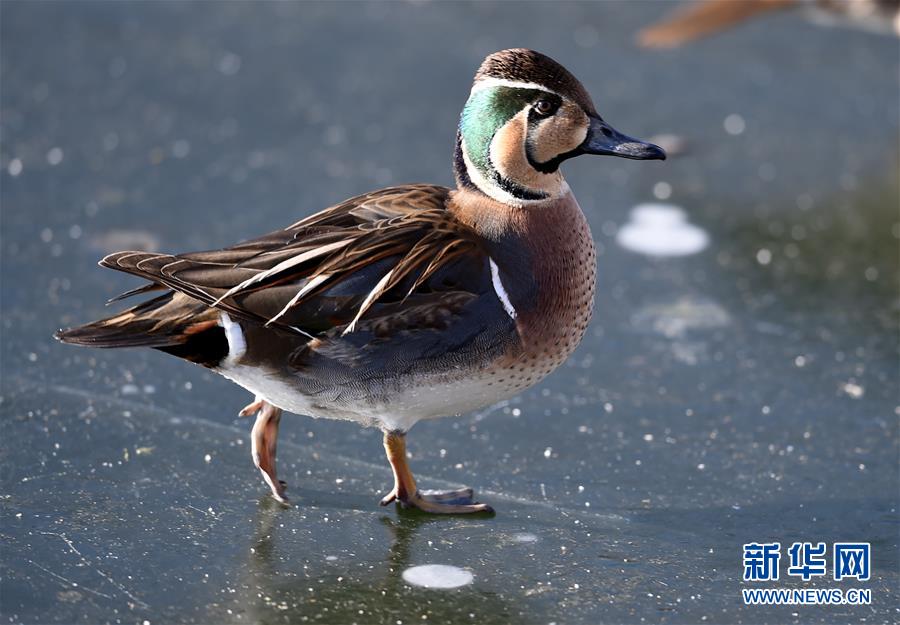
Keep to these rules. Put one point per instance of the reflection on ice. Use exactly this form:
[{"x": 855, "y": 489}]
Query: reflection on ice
[
  {"x": 441, "y": 576},
  {"x": 661, "y": 230},
  {"x": 675, "y": 319},
  {"x": 686, "y": 323}
]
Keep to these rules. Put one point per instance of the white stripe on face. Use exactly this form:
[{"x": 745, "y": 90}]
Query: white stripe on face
[
  {"x": 487, "y": 83},
  {"x": 500, "y": 291}
]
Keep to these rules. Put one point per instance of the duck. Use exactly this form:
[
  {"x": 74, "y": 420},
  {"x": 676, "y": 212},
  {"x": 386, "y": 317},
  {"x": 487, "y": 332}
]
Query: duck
[
  {"x": 706, "y": 17},
  {"x": 407, "y": 303}
]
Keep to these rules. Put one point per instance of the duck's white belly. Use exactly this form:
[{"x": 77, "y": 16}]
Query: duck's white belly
[{"x": 432, "y": 398}]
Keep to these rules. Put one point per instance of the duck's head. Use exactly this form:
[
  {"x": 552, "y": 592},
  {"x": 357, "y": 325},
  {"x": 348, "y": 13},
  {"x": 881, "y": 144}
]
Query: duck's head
[{"x": 526, "y": 114}]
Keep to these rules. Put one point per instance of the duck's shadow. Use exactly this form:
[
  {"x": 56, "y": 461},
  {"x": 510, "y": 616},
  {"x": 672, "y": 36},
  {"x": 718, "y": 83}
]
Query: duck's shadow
[{"x": 360, "y": 591}]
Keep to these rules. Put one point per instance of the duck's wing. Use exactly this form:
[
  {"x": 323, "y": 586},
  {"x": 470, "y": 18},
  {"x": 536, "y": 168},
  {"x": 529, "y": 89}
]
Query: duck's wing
[
  {"x": 702, "y": 18},
  {"x": 328, "y": 270}
]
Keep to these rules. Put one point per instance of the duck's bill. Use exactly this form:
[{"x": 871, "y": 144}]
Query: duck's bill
[{"x": 604, "y": 139}]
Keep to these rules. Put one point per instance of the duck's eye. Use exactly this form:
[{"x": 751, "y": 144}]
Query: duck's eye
[{"x": 544, "y": 107}]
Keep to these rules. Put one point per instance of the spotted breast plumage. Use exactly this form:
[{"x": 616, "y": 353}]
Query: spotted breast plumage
[{"x": 407, "y": 303}]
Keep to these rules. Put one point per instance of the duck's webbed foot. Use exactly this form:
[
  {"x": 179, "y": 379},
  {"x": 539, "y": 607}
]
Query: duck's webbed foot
[
  {"x": 438, "y": 502},
  {"x": 408, "y": 495},
  {"x": 264, "y": 439}
]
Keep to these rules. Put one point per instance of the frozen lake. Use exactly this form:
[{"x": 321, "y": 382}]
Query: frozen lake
[{"x": 742, "y": 388}]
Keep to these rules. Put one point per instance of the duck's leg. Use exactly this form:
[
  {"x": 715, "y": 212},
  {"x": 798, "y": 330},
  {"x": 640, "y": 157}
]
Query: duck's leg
[
  {"x": 264, "y": 439},
  {"x": 406, "y": 492}
]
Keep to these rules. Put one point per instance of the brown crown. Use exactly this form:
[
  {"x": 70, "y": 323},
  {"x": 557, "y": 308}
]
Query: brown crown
[{"x": 523, "y": 65}]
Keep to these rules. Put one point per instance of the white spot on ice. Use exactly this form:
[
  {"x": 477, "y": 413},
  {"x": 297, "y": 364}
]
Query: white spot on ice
[
  {"x": 853, "y": 390},
  {"x": 661, "y": 230},
  {"x": 734, "y": 124},
  {"x": 440, "y": 576},
  {"x": 181, "y": 148},
  {"x": 15, "y": 167},
  {"x": 54, "y": 156},
  {"x": 662, "y": 190},
  {"x": 230, "y": 64}
]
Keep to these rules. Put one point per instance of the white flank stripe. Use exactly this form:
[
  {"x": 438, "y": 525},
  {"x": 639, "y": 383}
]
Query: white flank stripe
[
  {"x": 500, "y": 291},
  {"x": 237, "y": 346}
]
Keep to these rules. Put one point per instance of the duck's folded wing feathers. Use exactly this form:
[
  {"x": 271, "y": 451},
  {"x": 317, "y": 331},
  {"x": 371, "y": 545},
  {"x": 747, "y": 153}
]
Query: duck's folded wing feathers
[{"x": 328, "y": 270}]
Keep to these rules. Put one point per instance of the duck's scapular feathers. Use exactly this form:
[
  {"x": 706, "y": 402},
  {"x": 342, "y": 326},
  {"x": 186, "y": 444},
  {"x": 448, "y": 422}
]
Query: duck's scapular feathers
[{"x": 344, "y": 260}]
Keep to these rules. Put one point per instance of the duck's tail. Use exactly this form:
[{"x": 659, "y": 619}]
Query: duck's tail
[{"x": 173, "y": 323}]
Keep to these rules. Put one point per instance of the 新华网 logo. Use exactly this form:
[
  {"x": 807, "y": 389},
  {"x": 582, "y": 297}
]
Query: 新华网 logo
[{"x": 807, "y": 560}]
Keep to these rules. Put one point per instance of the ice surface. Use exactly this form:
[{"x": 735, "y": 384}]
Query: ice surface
[{"x": 682, "y": 427}]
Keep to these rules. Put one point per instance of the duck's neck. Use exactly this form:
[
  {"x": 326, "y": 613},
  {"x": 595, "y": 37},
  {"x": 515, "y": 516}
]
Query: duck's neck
[
  {"x": 546, "y": 257},
  {"x": 535, "y": 225}
]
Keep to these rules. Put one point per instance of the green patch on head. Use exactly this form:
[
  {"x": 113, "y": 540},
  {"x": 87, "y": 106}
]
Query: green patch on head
[{"x": 484, "y": 114}]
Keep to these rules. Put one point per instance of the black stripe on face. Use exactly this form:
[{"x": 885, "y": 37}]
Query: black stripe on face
[
  {"x": 534, "y": 120},
  {"x": 553, "y": 164}
]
